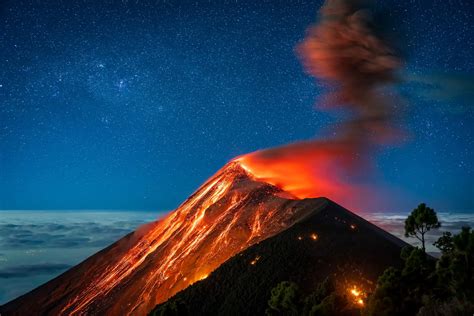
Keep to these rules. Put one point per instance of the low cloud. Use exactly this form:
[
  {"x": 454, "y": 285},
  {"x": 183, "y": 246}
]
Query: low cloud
[
  {"x": 36, "y": 246},
  {"x": 50, "y": 235},
  {"x": 23, "y": 271}
]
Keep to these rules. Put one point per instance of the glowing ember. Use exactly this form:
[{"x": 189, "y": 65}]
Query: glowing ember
[
  {"x": 353, "y": 226},
  {"x": 358, "y": 295},
  {"x": 314, "y": 236},
  {"x": 355, "y": 292},
  {"x": 254, "y": 261}
]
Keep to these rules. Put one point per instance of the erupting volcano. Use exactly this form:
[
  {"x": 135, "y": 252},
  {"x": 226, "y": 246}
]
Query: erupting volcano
[
  {"x": 230, "y": 212},
  {"x": 254, "y": 197}
]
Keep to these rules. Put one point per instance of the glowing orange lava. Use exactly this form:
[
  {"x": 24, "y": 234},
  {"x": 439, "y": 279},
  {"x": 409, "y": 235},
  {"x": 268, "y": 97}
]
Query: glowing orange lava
[
  {"x": 313, "y": 169},
  {"x": 202, "y": 277},
  {"x": 227, "y": 214}
]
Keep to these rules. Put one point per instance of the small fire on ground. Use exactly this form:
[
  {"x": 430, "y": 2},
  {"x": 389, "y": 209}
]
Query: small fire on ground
[{"x": 357, "y": 295}]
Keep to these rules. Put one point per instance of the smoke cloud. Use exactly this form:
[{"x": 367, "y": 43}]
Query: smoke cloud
[{"x": 346, "y": 52}]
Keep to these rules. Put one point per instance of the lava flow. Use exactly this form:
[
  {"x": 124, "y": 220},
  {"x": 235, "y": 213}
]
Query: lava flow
[{"x": 229, "y": 213}]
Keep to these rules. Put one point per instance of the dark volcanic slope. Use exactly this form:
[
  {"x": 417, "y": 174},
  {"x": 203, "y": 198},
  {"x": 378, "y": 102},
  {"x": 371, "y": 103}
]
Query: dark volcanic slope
[{"x": 352, "y": 250}]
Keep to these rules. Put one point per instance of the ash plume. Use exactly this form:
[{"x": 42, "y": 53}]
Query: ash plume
[
  {"x": 357, "y": 63},
  {"x": 344, "y": 51}
]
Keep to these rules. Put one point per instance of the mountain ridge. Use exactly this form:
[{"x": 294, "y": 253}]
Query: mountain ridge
[{"x": 228, "y": 213}]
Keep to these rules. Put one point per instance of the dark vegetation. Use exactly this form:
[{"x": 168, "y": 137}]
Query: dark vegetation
[
  {"x": 286, "y": 299},
  {"x": 424, "y": 286}
]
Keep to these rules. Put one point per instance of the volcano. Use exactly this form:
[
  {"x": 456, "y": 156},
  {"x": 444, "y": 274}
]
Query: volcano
[{"x": 229, "y": 213}]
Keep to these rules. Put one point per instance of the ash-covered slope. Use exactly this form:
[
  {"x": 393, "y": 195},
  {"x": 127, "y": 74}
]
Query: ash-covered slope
[
  {"x": 226, "y": 215},
  {"x": 330, "y": 242}
]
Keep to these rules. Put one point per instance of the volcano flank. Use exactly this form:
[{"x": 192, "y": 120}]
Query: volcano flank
[{"x": 229, "y": 222}]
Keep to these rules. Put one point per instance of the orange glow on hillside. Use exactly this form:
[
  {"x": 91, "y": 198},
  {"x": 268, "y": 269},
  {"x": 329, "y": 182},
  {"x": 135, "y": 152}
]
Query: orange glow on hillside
[
  {"x": 202, "y": 277},
  {"x": 357, "y": 295}
]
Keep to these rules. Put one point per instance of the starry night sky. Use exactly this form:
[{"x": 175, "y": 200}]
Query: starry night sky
[{"x": 133, "y": 104}]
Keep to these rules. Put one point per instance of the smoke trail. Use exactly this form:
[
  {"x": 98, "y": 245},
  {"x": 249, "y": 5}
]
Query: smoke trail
[{"x": 344, "y": 51}]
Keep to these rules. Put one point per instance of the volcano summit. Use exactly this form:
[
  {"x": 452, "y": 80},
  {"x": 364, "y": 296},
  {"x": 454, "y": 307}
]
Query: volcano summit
[{"x": 229, "y": 213}]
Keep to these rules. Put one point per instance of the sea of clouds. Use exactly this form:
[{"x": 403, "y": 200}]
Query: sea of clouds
[{"x": 36, "y": 246}]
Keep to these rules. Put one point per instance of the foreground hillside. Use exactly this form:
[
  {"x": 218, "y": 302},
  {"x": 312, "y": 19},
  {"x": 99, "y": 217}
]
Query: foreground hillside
[{"x": 330, "y": 242}]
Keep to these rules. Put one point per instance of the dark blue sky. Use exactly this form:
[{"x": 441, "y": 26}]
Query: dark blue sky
[{"x": 133, "y": 104}]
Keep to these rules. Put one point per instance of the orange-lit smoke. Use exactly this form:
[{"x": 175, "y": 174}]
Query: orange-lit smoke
[
  {"x": 305, "y": 169},
  {"x": 344, "y": 52}
]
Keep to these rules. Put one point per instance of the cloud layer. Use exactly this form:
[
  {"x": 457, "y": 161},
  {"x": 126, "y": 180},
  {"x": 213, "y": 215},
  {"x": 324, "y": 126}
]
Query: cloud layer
[{"x": 37, "y": 246}]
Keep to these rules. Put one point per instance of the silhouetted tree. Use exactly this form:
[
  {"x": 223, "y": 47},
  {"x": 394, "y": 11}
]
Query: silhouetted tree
[
  {"x": 401, "y": 292},
  {"x": 388, "y": 295},
  {"x": 331, "y": 305},
  {"x": 284, "y": 300},
  {"x": 323, "y": 290},
  {"x": 424, "y": 287},
  {"x": 171, "y": 308},
  {"x": 313, "y": 301},
  {"x": 445, "y": 243},
  {"x": 420, "y": 221},
  {"x": 455, "y": 267}
]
